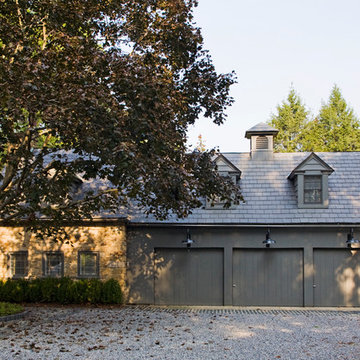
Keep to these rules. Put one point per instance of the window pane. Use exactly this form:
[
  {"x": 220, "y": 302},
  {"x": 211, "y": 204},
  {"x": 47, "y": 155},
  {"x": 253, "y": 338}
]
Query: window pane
[
  {"x": 18, "y": 264},
  {"x": 88, "y": 264},
  {"x": 312, "y": 190},
  {"x": 54, "y": 264}
]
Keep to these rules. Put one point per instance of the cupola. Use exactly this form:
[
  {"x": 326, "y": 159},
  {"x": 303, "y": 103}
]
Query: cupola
[{"x": 261, "y": 141}]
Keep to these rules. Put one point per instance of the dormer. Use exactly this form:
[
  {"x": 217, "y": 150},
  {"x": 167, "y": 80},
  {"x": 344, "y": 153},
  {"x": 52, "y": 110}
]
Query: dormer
[
  {"x": 227, "y": 169},
  {"x": 310, "y": 178},
  {"x": 261, "y": 141}
]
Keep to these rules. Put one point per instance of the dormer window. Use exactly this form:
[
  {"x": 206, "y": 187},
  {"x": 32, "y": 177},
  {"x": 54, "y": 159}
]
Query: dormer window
[
  {"x": 227, "y": 169},
  {"x": 311, "y": 183},
  {"x": 312, "y": 189}
]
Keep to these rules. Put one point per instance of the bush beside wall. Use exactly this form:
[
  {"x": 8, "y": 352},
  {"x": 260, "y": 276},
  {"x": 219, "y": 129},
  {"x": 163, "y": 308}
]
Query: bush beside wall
[{"x": 62, "y": 291}]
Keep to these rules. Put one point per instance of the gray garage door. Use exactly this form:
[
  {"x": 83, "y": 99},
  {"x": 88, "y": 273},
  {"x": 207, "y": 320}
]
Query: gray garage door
[
  {"x": 336, "y": 277},
  {"x": 268, "y": 277},
  {"x": 192, "y": 277}
]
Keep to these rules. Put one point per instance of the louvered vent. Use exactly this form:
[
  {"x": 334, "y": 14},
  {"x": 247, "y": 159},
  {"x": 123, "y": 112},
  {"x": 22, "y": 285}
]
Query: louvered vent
[{"x": 261, "y": 143}]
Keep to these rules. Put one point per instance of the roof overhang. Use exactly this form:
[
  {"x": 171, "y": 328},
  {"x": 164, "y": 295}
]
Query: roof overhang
[{"x": 322, "y": 166}]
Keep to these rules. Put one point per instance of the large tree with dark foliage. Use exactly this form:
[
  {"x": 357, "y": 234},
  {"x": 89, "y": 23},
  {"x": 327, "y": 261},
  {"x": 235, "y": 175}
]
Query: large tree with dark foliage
[{"x": 104, "y": 90}]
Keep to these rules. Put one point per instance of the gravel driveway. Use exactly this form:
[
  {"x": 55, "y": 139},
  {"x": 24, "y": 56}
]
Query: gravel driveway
[{"x": 156, "y": 333}]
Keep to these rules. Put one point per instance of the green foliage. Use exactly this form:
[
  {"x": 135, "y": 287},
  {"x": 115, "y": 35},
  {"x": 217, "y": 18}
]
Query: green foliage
[
  {"x": 62, "y": 291},
  {"x": 290, "y": 120},
  {"x": 9, "y": 309},
  {"x": 14, "y": 291},
  {"x": 111, "y": 292},
  {"x": 48, "y": 289},
  {"x": 105, "y": 89},
  {"x": 65, "y": 294},
  {"x": 336, "y": 128},
  {"x": 34, "y": 290}
]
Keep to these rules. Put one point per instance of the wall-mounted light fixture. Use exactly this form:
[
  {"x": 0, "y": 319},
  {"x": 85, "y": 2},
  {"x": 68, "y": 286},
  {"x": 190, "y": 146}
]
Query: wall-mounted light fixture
[
  {"x": 188, "y": 241},
  {"x": 268, "y": 241},
  {"x": 351, "y": 240}
]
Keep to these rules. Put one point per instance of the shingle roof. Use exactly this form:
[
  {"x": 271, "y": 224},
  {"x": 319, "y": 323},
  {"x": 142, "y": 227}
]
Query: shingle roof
[
  {"x": 261, "y": 128},
  {"x": 271, "y": 198}
]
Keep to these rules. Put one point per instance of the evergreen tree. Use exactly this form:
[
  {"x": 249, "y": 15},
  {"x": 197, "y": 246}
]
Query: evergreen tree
[
  {"x": 290, "y": 120},
  {"x": 336, "y": 128}
]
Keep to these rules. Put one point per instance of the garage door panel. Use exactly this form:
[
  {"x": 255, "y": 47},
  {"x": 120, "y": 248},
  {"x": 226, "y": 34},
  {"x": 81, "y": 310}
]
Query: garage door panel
[
  {"x": 336, "y": 277},
  {"x": 192, "y": 277},
  {"x": 268, "y": 277}
]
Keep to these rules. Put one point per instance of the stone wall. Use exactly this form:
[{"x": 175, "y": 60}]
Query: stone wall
[{"x": 108, "y": 241}]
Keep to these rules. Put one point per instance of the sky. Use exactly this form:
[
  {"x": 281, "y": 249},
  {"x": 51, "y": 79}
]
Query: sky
[{"x": 273, "y": 45}]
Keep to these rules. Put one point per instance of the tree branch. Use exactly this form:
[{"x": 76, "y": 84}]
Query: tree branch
[{"x": 19, "y": 15}]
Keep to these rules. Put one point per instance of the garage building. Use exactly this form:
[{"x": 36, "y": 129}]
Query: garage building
[{"x": 292, "y": 243}]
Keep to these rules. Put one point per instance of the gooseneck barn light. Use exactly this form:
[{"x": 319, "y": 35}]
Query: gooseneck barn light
[
  {"x": 351, "y": 240},
  {"x": 188, "y": 241},
  {"x": 268, "y": 241}
]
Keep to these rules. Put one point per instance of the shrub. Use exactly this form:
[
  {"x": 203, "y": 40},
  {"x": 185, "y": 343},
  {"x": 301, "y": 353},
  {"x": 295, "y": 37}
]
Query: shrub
[
  {"x": 61, "y": 290},
  {"x": 111, "y": 292},
  {"x": 34, "y": 291},
  {"x": 48, "y": 287},
  {"x": 15, "y": 290},
  {"x": 64, "y": 288},
  {"x": 93, "y": 291}
]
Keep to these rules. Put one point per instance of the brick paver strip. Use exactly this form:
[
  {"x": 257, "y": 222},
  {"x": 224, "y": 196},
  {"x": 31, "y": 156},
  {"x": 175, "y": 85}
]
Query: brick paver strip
[
  {"x": 13, "y": 316},
  {"x": 236, "y": 310}
]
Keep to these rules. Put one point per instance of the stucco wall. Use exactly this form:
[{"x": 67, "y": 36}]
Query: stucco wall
[{"x": 109, "y": 241}]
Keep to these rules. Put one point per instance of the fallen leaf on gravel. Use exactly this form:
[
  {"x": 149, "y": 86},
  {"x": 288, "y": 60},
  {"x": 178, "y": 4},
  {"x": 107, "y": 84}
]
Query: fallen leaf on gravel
[{"x": 96, "y": 347}]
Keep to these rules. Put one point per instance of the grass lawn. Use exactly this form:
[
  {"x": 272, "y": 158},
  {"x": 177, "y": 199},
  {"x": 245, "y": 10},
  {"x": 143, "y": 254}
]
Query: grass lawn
[{"x": 9, "y": 309}]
